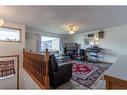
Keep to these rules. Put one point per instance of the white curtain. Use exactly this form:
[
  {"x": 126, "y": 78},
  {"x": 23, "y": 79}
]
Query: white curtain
[{"x": 61, "y": 45}]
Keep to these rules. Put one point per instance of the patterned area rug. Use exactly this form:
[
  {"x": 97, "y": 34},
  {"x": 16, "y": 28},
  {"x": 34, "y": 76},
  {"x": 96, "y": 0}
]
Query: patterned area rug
[{"x": 88, "y": 73}]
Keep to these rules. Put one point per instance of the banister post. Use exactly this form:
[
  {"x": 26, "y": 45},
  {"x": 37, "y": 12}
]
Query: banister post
[{"x": 46, "y": 71}]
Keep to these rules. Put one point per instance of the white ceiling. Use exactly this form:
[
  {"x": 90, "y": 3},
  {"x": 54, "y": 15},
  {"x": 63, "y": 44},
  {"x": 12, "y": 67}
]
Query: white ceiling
[{"x": 55, "y": 19}]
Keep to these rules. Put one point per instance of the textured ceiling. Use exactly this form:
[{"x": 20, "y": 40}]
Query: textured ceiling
[{"x": 55, "y": 19}]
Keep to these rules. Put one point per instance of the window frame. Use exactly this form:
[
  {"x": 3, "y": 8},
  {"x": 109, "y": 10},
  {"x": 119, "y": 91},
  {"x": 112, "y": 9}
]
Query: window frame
[
  {"x": 51, "y": 42},
  {"x": 20, "y": 33}
]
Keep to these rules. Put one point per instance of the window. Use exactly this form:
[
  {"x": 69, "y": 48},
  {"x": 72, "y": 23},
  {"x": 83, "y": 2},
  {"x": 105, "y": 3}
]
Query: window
[
  {"x": 9, "y": 34},
  {"x": 50, "y": 43}
]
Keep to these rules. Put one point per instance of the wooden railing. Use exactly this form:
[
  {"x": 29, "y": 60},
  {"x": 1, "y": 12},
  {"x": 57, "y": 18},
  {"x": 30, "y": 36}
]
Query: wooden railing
[{"x": 36, "y": 65}]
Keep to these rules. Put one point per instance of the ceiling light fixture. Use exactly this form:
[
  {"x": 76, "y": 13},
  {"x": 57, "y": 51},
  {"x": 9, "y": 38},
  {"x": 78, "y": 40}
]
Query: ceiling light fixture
[
  {"x": 1, "y": 22},
  {"x": 72, "y": 29}
]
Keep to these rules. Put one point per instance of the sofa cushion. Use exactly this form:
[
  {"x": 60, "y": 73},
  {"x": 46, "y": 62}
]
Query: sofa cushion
[{"x": 54, "y": 62}]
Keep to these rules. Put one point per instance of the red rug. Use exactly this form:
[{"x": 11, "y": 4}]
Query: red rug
[
  {"x": 82, "y": 70},
  {"x": 87, "y": 74}
]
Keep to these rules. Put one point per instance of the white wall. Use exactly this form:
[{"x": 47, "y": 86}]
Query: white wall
[
  {"x": 114, "y": 42},
  {"x": 11, "y": 48},
  {"x": 79, "y": 38},
  {"x": 33, "y": 40}
]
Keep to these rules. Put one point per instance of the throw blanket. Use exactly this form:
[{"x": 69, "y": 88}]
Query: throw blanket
[{"x": 6, "y": 68}]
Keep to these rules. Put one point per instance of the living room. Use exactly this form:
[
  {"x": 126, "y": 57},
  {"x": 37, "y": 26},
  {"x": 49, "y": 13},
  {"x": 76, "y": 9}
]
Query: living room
[{"x": 90, "y": 38}]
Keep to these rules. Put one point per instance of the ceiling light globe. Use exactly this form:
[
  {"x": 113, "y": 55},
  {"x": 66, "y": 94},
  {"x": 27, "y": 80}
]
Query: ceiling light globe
[{"x": 71, "y": 32}]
